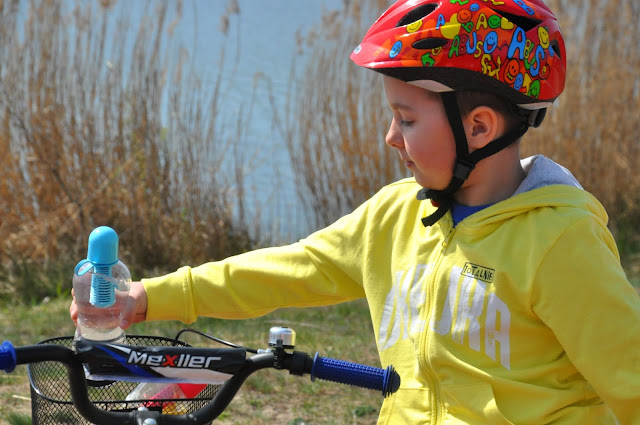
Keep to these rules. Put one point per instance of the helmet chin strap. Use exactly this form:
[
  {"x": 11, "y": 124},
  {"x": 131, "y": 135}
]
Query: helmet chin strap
[{"x": 465, "y": 161}]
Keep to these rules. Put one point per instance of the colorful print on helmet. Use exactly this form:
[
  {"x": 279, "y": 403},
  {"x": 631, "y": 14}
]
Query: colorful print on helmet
[{"x": 513, "y": 48}]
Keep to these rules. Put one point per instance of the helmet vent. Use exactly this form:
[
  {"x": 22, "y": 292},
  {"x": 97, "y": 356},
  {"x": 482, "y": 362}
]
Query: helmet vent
[
  {"x": 521, "y": 21},
  {"x": 555, "y": 47},
  {"x": 417, "y": 14},
  {"x": 429, "y": 43}
]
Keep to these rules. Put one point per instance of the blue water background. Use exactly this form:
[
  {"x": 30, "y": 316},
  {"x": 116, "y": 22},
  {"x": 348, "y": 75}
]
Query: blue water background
[{"x": 260, "y": 41}]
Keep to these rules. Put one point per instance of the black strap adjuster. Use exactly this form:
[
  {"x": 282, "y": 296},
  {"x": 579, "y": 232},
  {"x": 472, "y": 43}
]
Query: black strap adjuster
[{"x": 463, "y": 169}]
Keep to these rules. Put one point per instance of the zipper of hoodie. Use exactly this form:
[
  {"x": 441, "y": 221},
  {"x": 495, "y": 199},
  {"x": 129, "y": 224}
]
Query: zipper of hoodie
[{"x": 425, "y": 360}]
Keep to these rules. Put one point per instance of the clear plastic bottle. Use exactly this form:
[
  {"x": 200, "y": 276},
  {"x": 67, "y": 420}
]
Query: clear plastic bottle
[{"x": 101, "y": 284}]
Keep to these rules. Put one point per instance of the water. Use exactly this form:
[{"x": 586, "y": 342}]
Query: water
[
  {"x": 259, "y": 47},
  {"x": 255, "y": 58}
]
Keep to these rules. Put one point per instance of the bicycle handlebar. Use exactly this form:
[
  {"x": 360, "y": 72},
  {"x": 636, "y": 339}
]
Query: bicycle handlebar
[
  {"x": 343, "y": 372},
  {"x": 387, "y": 381},
  {"x": 8, "y": 359}
]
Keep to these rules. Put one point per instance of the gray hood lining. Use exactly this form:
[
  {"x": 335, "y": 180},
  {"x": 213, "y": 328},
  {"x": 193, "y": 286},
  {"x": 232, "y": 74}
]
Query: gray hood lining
[{"x": 541, "y": 171}]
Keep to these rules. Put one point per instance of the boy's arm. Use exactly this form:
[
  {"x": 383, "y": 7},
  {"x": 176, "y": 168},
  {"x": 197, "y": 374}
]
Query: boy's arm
[
  {"x": 582, "y": 294},
  {"x": 325, "y": 268},
  {"x": 249, "y": 285}
]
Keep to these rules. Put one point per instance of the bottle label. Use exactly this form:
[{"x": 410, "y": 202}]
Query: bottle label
[{"x": 160, "y": 364}]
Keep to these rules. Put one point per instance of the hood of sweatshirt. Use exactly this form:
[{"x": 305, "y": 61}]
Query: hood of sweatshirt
[{"x": 546, "y": 185}]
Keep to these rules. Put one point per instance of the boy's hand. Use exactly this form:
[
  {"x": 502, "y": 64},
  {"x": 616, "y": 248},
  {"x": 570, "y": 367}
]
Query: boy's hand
[{"x": 135, "y": 309}]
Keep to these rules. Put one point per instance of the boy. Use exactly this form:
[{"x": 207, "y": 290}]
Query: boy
[{"x": 500, "y": 301}]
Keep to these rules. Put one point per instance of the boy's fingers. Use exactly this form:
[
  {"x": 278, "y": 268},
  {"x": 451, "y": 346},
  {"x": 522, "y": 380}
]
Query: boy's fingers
[
  {"x": 136, "y": 306},
  {"x": 128, "y": 314},
  {"x": 73, "y": 311}
]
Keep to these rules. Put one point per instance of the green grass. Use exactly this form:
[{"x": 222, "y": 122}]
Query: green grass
[
  {"x": 342, "y": 331},
  {"x": 19, "y": 419}
]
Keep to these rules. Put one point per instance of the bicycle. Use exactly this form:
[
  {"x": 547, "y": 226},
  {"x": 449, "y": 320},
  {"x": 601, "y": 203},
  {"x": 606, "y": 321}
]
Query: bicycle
[{"x": 58, "y": 368}]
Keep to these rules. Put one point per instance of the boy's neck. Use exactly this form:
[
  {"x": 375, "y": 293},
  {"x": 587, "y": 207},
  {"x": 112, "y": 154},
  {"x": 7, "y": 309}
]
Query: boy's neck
[{"x": 494, "y": 179}]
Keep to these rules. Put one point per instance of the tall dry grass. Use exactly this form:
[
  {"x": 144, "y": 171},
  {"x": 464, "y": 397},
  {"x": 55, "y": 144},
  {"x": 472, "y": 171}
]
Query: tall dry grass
[
  {"x": 101, "y": 129},
  {"x": 338, "y": 118},
  {"x": 338, "y": 145}
]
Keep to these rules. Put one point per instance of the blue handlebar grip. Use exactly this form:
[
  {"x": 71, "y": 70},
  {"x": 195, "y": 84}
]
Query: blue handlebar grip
[
  {"x": 385, "y": 380},
  {"x": 8, "y": 359}
]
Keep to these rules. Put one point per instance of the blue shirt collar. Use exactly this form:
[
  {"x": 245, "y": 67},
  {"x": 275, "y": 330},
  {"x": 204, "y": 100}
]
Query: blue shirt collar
[{"x": 459, "y": 212}]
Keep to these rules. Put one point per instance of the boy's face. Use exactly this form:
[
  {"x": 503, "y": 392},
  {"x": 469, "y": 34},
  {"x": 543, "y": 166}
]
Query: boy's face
[{"x": 421, "y": 133}]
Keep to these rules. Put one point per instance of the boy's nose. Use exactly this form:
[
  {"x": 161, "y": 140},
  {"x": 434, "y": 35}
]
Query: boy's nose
[{"x": 394, "y": 136}]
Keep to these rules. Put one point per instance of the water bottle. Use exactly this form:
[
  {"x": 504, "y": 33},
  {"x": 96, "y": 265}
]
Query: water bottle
[{"x": 101, "y": 284}]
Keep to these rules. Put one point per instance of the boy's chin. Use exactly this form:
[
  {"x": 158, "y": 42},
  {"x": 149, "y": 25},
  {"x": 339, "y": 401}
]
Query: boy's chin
[{"x": 427, "y": 184}]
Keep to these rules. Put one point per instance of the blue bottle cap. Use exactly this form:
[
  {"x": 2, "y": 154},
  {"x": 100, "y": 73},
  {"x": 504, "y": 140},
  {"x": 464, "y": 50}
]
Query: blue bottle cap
[
  {"x": 102, "y": 254},
  {"x": 103, "y": 246}
]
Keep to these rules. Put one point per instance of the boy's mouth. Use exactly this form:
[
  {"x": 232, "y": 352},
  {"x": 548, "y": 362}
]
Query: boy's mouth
[{"x": 407, "y": 162}]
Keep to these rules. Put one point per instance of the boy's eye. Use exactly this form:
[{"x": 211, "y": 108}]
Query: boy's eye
[{"x": 404, "y": 123}]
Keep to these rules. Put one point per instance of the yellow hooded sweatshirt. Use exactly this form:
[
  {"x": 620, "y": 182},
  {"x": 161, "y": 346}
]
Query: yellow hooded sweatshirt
[{"x": 521, "y": 314}]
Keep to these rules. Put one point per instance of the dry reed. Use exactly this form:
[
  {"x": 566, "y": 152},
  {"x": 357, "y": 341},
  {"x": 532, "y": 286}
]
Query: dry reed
[
  {"x": 130, "y": 141},
  {"x": 136, "y": 143},
  {"x": 339, "y": 120}
]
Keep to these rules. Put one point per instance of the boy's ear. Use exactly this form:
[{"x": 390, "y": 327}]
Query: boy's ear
[{"x": 482, "y": 125}]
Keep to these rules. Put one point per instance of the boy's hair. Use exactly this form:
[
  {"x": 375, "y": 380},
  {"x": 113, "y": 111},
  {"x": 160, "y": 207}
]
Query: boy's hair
[{"x": 469, "y": 100}]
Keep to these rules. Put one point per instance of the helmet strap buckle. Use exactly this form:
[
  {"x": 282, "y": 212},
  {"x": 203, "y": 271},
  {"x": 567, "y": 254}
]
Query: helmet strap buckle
[{"x": 536, "y": 116}]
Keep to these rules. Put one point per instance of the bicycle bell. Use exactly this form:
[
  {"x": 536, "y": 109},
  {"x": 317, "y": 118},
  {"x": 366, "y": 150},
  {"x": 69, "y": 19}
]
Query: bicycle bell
[{"x": 284, "y": 334}]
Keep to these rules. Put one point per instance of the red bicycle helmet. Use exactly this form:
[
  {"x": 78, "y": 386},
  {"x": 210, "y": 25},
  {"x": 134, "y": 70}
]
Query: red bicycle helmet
[{"x": 511, "y": 48}]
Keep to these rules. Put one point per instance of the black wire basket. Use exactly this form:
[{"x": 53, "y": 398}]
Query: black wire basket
[{"x": 51, "y": 402}]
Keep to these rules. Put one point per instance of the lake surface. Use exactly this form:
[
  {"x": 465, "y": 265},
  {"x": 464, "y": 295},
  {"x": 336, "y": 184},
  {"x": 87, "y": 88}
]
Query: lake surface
[{"x": 262, "y": 36}]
